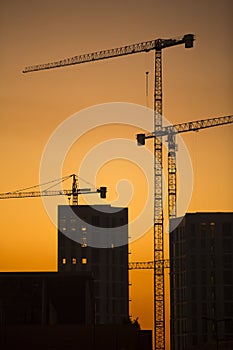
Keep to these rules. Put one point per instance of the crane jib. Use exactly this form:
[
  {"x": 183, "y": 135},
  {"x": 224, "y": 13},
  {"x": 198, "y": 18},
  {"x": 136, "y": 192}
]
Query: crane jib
[
  {"x": 22, "y": 194},
  {"x": 145, "y": 46}
]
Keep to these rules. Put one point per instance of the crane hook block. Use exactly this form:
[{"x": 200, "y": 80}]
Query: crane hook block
[
  {"x": 141, "y": 139},
  {"x": 103, "y": 191}
]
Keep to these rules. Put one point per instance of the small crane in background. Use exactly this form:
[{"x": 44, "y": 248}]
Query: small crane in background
[{"x": 73, "y": 193}]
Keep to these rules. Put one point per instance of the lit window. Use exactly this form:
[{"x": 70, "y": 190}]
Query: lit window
[
  {"x": 84, "y": 261},
  {"x": 74, "y": 261},
  {"x": 63, "y": 261},
  {"x": 63, "y": 224},
  {"x": 84, "y": 242},
  {"x": 84, "y": 238}
]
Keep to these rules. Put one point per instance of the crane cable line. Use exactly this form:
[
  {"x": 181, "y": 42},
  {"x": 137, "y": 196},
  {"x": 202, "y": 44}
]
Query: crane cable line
[
  {"x": 147, "y": 89},
  {"x": 43, "y": 184},
  {"x": 58, "y": 181}
]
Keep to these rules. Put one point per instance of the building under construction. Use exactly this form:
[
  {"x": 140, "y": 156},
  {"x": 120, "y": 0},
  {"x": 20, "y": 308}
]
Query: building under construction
[
  {"x": 201, "y": 253},
  {"x": 94, "y": 239}
]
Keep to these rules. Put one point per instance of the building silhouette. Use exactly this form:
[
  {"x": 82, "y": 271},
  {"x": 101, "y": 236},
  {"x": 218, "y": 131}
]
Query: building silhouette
[
  {"x": 84, "y": 305},
  {"x": 46, "y": 298},
  {"x": 201, "y": 279},
  {"x": 94, "y": 239}
]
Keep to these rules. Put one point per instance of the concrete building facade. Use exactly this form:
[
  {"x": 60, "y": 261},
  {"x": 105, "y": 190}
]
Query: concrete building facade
[
  {"x": 201, "y": 254},
  {"x": 95, "y": 239}
]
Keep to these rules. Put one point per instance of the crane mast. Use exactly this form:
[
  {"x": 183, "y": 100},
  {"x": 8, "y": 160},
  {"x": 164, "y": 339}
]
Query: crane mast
[
  {"x": 158, "y": 227},
  {"x": 157, "y": 45}
]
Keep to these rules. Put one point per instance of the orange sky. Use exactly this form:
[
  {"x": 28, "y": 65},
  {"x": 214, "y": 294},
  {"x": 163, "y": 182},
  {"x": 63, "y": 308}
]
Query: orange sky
[{"x": 197, "y": 83}]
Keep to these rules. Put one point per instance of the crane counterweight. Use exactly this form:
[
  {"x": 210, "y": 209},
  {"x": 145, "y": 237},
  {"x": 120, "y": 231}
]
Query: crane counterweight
[{"x": 188, "y": 40}]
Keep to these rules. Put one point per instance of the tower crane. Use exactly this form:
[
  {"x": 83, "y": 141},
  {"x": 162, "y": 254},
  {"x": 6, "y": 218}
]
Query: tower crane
[
  {"x": 157, "y": 45},
  {"x": 73, "y": 193},
  {"x": 170, "y": 132}
]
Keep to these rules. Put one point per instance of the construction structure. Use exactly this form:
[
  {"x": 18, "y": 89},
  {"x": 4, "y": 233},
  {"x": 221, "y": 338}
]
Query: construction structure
[
  {"x": 84, "y": 233},
  {"x": 85, "y": 303},
  {"x": 170, "y": 132},
  {"x": 72, "y": 194},
  {"x": 156, "y": 45},
  {"x": 201, "y": 275},
  {"x": 94, "y": 239}
]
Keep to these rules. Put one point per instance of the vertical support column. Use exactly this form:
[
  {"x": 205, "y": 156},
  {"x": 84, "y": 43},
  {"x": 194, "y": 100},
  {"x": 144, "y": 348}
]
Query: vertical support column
[
  {"x": 74, "y": 191},
  {"x": 159, "y": 307},
  {"x": 172, "y": 212}
]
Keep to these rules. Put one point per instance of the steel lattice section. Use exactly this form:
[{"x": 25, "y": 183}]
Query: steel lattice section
[
  {"x": 111, "y": 53},
  {"x": 159, "y": 307},
  {"x": 142, "y": 265},
  {"x": 172, "y": 208}
]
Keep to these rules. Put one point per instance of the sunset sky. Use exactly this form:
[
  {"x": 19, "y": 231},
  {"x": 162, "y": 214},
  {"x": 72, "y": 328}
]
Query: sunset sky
[{"x": 197, "y": 84}]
